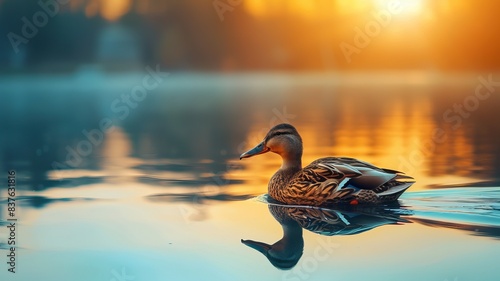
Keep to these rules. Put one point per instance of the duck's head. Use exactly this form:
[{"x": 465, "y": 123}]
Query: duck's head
[{"x": 282, "y": 139}]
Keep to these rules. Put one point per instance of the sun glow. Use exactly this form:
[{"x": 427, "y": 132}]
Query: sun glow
[
  {"x": 407, "y": 6},
  {"x": 308, "y": 9}
]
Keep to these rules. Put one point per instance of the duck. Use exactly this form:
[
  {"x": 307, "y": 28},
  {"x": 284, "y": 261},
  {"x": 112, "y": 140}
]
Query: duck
[{"x": 326, "y": 181}]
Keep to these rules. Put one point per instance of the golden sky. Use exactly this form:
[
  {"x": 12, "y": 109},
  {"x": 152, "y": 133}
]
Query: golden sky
[
  {"x": 422, "y": 34},
  {"x": 311, "y": 9}
]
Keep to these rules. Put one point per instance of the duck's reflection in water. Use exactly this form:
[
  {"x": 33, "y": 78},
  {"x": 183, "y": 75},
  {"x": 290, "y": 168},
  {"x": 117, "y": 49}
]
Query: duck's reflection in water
[{"x": 286, "y": 252}]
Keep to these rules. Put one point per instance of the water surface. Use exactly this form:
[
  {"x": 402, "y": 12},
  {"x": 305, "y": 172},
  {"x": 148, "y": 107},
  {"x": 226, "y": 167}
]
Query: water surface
[{"x": 163, "y": 196}]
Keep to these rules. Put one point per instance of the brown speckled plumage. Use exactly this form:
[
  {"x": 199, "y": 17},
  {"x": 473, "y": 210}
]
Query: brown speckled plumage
[{"x": 330, "y": 180}]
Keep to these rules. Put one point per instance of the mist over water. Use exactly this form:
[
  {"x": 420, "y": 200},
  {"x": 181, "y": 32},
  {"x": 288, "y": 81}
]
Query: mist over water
[
  {"x": 122, "y": 123},
  {"x": 146, "y": 184},
  {"x": 434, "y": 131}
]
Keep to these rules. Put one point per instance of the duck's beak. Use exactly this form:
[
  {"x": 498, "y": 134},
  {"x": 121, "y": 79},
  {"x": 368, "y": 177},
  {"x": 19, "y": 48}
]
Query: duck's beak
[
  {"x": 259, "y": 246},
  {"x": 259, "y": 149}
]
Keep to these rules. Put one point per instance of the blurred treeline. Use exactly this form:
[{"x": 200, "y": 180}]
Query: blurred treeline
[{"x": 459, "y": 35}]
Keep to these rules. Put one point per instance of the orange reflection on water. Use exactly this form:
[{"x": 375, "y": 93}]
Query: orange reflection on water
[{"x": 394, "y": 131}]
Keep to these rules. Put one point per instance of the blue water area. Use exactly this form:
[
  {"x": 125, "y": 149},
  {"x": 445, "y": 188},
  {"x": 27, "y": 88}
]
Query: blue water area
[
  {"x": 441, "y": 234},
  {"x": 159, "y": 193}
]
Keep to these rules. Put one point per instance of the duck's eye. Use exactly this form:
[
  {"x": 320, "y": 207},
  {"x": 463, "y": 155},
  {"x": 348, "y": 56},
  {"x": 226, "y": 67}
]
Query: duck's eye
[{"x": 278, "y": 134}]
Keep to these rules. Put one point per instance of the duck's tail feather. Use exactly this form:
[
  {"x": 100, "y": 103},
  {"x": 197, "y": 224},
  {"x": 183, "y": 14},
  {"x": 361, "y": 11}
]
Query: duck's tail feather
[
  {"x": 394, "y": 192},
  {"x": 404, "y": 178}
]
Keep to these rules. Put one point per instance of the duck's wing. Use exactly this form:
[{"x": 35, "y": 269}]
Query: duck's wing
[
  {"x": 353, "y": 163},
  {"x": 340, "y": 179},
  {"x": 322, "y": 181},
  {"x": 370, "y": 177}
]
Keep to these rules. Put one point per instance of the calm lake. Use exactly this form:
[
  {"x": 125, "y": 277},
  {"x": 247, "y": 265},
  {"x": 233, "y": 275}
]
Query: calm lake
[{"x": 136, "y": 176}]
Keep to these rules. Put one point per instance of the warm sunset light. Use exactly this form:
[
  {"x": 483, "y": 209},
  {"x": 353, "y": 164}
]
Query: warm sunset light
[
  {"x": 112, "y": 10},
  {"x": 312, "y": 9},
  {"x": 249, "y": 140},
  {"x": 407, "y": 6}
]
